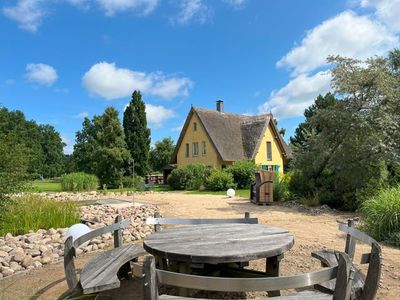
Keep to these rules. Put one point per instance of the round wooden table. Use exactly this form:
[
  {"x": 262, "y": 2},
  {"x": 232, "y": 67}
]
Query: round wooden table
[{"x": 221, "y": 244}]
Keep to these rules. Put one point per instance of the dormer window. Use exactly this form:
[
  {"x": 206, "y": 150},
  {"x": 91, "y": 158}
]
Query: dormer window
[{"x": 194, "y": 126}]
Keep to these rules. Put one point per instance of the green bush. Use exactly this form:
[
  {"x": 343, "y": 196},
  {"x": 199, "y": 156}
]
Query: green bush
[
  {"x": 281, "y": 187},
  {"x": 243, "y": 172},
  {"x": 381, "y": 214},
  {"x": 298, "y": 185},
  {"x": 190, "y": 177},
  {"x": 177, "y": 179},
  {"x": 33, "y": 212},
  {"x": 129, "y": 182},
  {"x": 219, "y": 181},
  {"x": 79, "y": 182}
]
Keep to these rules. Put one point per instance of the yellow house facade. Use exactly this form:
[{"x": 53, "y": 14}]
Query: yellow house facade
[{"x": 218, "y": 139}]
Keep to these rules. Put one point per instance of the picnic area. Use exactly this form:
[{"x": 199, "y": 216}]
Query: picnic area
[{"x": 310, "y": 232}]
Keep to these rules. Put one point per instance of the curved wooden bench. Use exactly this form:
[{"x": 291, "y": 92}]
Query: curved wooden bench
[
  {"x": 101, "y": 272},
  {"x": 343, "y": 272},
  {"x": 363, "y": 287}
]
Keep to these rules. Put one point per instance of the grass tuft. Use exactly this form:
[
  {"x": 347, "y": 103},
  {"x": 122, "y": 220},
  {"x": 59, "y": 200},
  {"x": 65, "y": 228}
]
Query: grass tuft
[
  {"x": 381, "y": 214},
  {"x": 32, "y": 212},
  {"x": 79, "y": 181}
]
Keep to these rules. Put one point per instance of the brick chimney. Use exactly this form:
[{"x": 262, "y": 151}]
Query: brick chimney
[{"x": 220, "y": 106}]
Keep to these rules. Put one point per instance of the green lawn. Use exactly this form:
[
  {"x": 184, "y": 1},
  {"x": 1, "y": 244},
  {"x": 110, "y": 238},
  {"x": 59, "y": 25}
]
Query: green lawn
[
  {"x": 46, "y": 186},
  {"x": 55, "y": 186},
  {"x": 240, "y": 193}
]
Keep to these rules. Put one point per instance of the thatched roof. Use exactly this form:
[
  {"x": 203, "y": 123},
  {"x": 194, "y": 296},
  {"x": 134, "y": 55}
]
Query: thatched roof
[{"x": 235, "y": 137}]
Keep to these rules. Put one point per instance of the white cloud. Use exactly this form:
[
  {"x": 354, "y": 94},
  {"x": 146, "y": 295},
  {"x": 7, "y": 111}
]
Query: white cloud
[
  {"x": 81, "y": 115},
  {"x": 346, "y": 34},
  {"x": 297, "y": 95},
  {"x": 110, "y": 82},
  {"x": 236, "y": 4},
  {"x": 41, "y": 74},
  {"x": 177, "y": 128},
  {"x": 192, "y": 11},
  {"x": 157, "y": 115},
  {"x": 388, "y": 11},
  {"x": 69, "y": 145},
  {"x": 112, "y": 7},
  {"x": 28, "y": 13}
]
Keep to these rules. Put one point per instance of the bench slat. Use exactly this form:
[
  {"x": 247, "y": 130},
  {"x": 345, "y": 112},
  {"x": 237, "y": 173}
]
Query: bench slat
[
  {"x": 100, "y": 273},
  {"x": 169, "y": 221},
  {"x": 305, "y": 295},
  {"x": 99, "y": 231},
  {"x": 329, "y": 258}
]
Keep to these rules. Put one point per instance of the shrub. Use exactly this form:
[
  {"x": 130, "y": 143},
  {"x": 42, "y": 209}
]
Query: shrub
[
  {"x": 79, "y": 182},
  {"x": 298, "y": 185},
  {"x": 243, "y": 173},
  {"x": 281, "y": 187},
  {"x": 381, "y": 214},
  {"x": 33, "y": 212},
  {"x": 219, "y": 181},
  {"x": 177, "y": 179},
  {"x": 129, "y": 182},
  {"x": 190, "y": 177}
]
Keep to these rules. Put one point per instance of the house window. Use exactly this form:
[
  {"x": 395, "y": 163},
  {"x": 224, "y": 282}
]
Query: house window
[
  {"x": 196, "y": 149},
  {"x": 194, "y": 126},
  {"x": 187, "y": 150},
  {"x": 269, "y": 151},
  {"x": 203, "y": 148}
]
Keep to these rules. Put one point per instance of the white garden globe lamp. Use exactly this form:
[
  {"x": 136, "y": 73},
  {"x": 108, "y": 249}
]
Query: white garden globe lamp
[
  {"x": 76, "y": 231},
  {"x": 230, "y": 193}
]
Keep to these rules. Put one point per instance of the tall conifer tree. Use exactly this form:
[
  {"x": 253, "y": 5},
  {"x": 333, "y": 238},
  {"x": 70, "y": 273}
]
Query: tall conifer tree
[{"x": 137, "y": 135}]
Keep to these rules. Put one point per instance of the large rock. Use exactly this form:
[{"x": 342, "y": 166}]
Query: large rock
[
  {"x": 34, "y": 252},
  {"x": 3, "y": 253},
  {"x": 15, "y": 266},
  {"x": 27, "y": 261},
  {"x": 6, "y": 271},
  {"x": 5, "y": 248},
  {"x": 18, "y": 254}
]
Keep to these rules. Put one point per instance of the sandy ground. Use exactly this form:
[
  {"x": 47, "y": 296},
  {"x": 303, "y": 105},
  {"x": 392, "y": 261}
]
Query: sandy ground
[{"x": 310, "y": 232}]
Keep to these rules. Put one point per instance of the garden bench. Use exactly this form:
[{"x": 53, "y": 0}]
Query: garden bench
[
  {"x": 154, "y": 277},
  {"x": 103, "y": 271},
  {"x": 157, "y": 221},
  {"x": 363, "y": 287}
]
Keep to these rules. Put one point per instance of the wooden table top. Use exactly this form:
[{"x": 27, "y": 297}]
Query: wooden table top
[{"x": 222, "y": 243}]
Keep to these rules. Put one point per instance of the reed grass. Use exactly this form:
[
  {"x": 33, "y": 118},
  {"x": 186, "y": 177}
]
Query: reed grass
[
  {"x": 381, "y": 214},
  {"x": 32, "y": 212}
]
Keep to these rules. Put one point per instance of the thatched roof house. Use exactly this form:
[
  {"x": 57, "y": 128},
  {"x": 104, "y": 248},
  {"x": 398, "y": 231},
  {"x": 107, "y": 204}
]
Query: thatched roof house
[{"x": 225, "y": 138}]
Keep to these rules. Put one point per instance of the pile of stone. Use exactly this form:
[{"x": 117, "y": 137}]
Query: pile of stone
[
  {"x": 84, "y": 196},
  {"x": 317, "y": 210},
  {"x": 34, "y": 249}
]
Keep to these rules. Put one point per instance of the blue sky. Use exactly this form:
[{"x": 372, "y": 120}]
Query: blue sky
[{"x": 62, "y": 60}]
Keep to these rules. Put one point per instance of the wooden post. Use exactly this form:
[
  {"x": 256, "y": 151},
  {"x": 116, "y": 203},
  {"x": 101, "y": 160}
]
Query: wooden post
[
  {"x": 272, "y": 270},
  {"x": 157, "y": 227},
  {"x": 350, "y": 241},
  {"x": 344, "y": 278},
  {"x": 247, "y": 215},
  {"x": 150, "y": 286},
  {"x": 69, "y": 265},
  {"x": 118, "y": 233}
]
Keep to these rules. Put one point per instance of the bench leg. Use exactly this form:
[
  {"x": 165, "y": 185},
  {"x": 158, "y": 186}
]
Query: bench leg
[
  {"x": 183, "y": 268},
  {"x": 272, "y": 270}
]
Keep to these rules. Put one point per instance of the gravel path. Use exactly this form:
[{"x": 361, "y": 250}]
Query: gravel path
[{"x": 311, "y": 232}]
